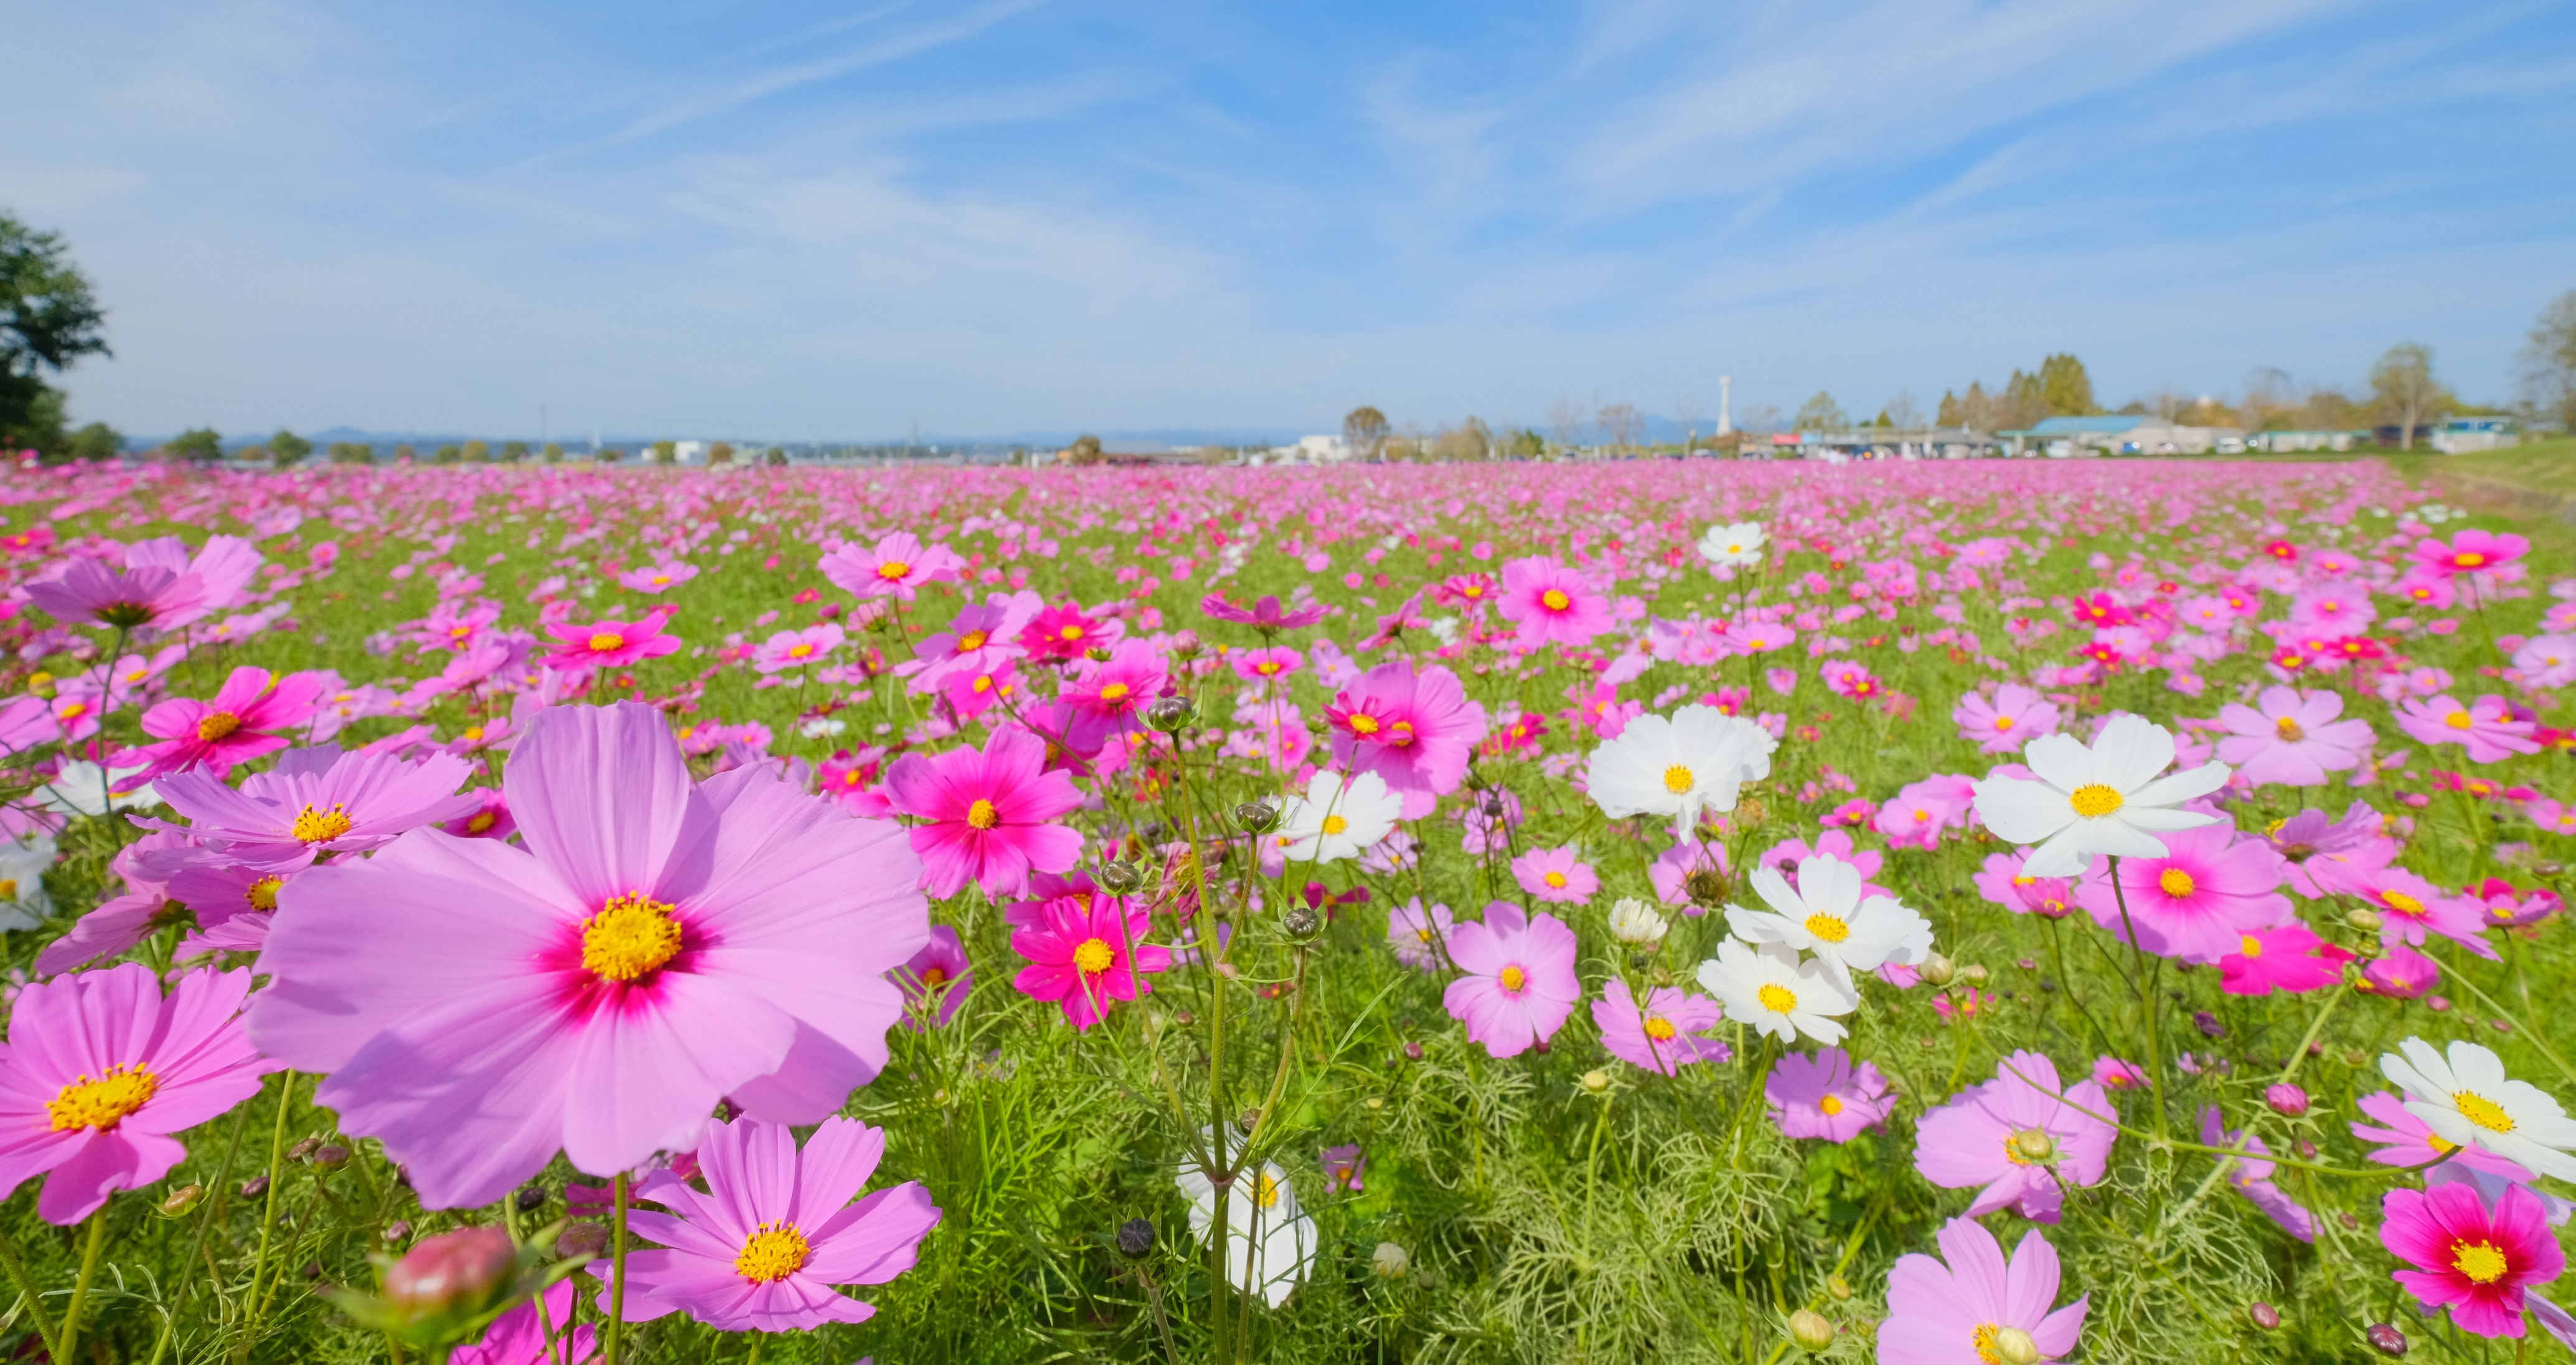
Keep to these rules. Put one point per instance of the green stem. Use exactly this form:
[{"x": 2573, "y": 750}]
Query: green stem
[
  {"x": 617, "y": 1290},
  {"x": 2146, "y": 1002},
  {"x": 80, "y": 1287},
  {"x": 268, "y": 1211},
  {"x": 27, "y": 1289}
]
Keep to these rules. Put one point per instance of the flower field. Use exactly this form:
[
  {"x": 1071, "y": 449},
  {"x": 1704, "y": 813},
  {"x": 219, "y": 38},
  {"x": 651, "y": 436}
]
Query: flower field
[{"x": 1955, "y": 914}]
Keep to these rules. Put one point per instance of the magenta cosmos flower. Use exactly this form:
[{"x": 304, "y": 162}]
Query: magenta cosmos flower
[
  {"x": 2291, "y": 738},
  {"x": 2018, "y": 1139},
  {"x": 611, "y": 643},
  {"x": 1414, "y": 729},
  {"x": 1661, "y": 1036},
  {"x": 1820, "y": 1095},
  {"x": 1110, "y": 695},
  {"x": 656, "y": 946},
  {"x": 518, "y": 1337},
  {"x": 1552, "y": 603},
  {"x": 2288, "y": 957},
  {"x": 896, "y": 566},
  {"x": 1519, "y": 983},
  {"x": 765, "y": 1247},
  {"x": 2487, "y": 728},
  {"x": 1556, "y": 875},
  {"x": 2468, "y": 1256},
  {"x": 2014, "y": 717},
  {"x": 2001, "y": 881},
  {"x": 233, "y": 726},
  {"x": 1265, "y": 615},
  {"x": 2198, "y": 901},
  {"x": 101, "y": 1068},
  {"x": 989, "y": 816},
  {"x": 1085, "y": 950},
  {"x": 2471, "y": 551},
  {"x": 318, "y": 801},
  {"x": 1953, "y": 1314}
]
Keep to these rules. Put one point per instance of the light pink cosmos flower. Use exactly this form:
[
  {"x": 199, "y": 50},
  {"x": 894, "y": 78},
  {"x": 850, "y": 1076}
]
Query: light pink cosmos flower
[
  {"x": 1273, "y": 664},
  {"x": 611, "y": 643},
  {"x": 1983, "y": 1137},
  {"x": 655, "y": 946},
  {"x": 1663, "y": 1036},
  {"x": 1759, "y": 637},
  {"x": 2469, "y": 1256},
  {"x": 1916, "y": 815},
  {"x": 2001, "y": 881},
  {"x": 1519, "y": 982},
  {"x": 1418, "y": 934},
  {"x": 100, "y": 1070},
  {"x": 2487, "y": 728},
  {"x": 765, "y": 1247},
  {"x": 990, "y": 817},
  {"x": 896, "y": 566},
  {"x": 233, "y": 726},
  {"x": 317, "y": 801},
  {"x": 936, "y": 981},
  {"x": 797, "y": 648},
  {"x": 2405, "y": 1140},
  {"x": 2473, "y": 551},
  {"x": 1556, "y": 875},
  {"x": 1950, "y": 1314},
  {"x": 1819, "y": 1095},
  {"x": 1553, "y": 604},
  {"x": 2015, "y": 716},
  {"x": 2410, "y": 907},
  {"x": 519, "y": 1337},
  {"x": 2332, "y": 610},
  {"x": 1086, "y": 950},
  {"x": 160, "y": 586},
  {"x": 117, "y": 924},
  {"x": 658, "y": 577},
  {"x": 1416, "y": 729},
  {"x": 2198, "y": 901},
  {"x": 980, "y": 640},
  {"x": 2547, "y": 661},
  {"x": 2292, "y": 738},
  {"x": 2251, "y": 1176}
]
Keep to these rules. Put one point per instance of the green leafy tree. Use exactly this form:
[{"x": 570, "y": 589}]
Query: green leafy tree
[
  {"x": 352, "y": 452},
  {"x": 776, "y": 457},
  {"x": 288, "y": 448},
  {"x": 552, "y": 454},
  {"x": 48, "y": 320},
  {"x": 200, "y": 444},
  {"x": 2404, "y": 392},
  {"x": 1365, "y": 431},
  {"x": 405, "y": 452},
  {"x": 1528, "y": 444},
  {"x": 2065, "y": 387},
  {"x": 448, "y": 454},
  {"x": 1822, "y": 413},
  {"x": 475, "y": 452},
  {"x": 1085, "y": 450},
  {"x": 95, "y": 442},
  {"x": 514, "y": 452},
  {"x": 720, "y": 453}
]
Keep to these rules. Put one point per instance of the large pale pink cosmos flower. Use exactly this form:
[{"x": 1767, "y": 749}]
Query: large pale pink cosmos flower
[
  {"x": 1821, "y": 1095},
  {"x": 611, "y": 643},
  {"x": 1552, "y": 603},
  {"x": 1984, "y": 1137},
  {"x": 989, "y": 817},
  {"x": 2487, "y": 728},
  {"x": 896, "y": 566},
  {"x": 1086, "y": 950},
  {"x": 1519, "y": 982},
  {"x": 2468, "y": 1256},
  {"x": 161, "y": 586},
  {"x": 233, "y": 726},
  {"x": 655, "y": 947},
  {"x": 1663, "y": 1035},
  {"x": 317, "y": 801},
  {"x": 2198, "y": 901},
  {"x": 2014, "y": 717},
  {"x": 101, "y": 1068},
  {"x": 2472, "y": 551},
  {"x": 1950, "y": 1314},
  {"x": 763, "y": 1249},
  {"x": 1416, "y": 729},
  {"x": 2291, "y": 738}
]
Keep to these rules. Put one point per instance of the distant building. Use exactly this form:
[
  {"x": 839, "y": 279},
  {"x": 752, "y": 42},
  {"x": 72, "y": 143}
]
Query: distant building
[
  {"x": 1891, "y": 443},
  {"x": 2461, "y": 435},
  {"x": 1310, "y": 450},
  {"x": 2285, "y": 442},
  {"x": 2062, "y": 438}
]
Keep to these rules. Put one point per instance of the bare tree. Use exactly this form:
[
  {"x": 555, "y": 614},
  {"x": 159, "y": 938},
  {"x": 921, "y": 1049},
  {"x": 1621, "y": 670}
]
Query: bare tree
[
  {"x": 1621, "y": 423},
  {"x": 1903, "y": 413},
  {"x": 2267, "y": 391},
  {"x": 1686, "y": 410},
  {"x": 1365, "y": 432},
  {"x": 2549, "y": 364},
  {"x": 1565, "y": 423},
  {"x": 2404, "y": 391}
]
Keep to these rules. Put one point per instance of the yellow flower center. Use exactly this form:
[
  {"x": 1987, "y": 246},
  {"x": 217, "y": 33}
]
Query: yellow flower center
[
  {"x": 606, "y": 640},
  {"x": 973, "y": 639},
  {"x": 1513, "y": 978},
  {"x": 1422, "y": 934},
  {"x": 482, "y": 820},
  {"x": 1363, "y": 724},
  {"x": 1776, "y": 998},
  {"x": 1830, "y": 1105},
  {"x": 1268, "y": 667},
  {"x": 2480, "y": 1261},
  {"x": 217, "y": 725},
  {"x": 1094, "y": 956},
  {"x": 774, "y": 1252},
  {"x": 104, "y": 1102},
  {"x": 459, "y": 632},
  {"x": 1266, "y": 1193},
  {"x": 1114, "y": 692},
  {"x": 2402, "y": 903},
  {"x": 630, "y": 936},
  {"x": 8, "y": 888},
  {"x": 799, "y": 651},
  {"x": 2289, "y": 729},
  {"x": 2093, "y": 800},
  {"x": 1556, "y": 600},
  {"x": 982, "y": 815},
  {"x": 262, "y": 894},
  {"x": 2469, "y": 559},
  {"x": 1334, "y": 824},
  {"x": 1678, "y": 779},
  {"x": 1984, "y": 1341},
  {"x": 2458, "y": 720},
  {"x": 2483, "y": 1112},
  {"x": 1660, "y": 1028},
  {"x": 1069, "y": 633},
  {"x": 1829, "y": 928},
  {"x": 2440, "y": 1144},
  {"x": 74, "y": 710},
  {"x": 893, "y": 569},
  {"x": 320, "y": 826},
  {"x": 2173, "y": 881},
  {"x": 1554, "y": 880},
  {"x": 2003, "y": 722},
  {"x": 2250, "y": 945}
]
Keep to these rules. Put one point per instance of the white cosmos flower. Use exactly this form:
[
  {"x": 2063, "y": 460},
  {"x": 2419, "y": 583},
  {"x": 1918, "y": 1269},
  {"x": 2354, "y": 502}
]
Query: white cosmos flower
[
  {"x": 23, "y": 902},
  {"x": 1336, "y": 818},
  {"x": 2467, "y": 1100},
  {"x": 1268, "y": 1237},
  {"x": 1825, "y": 915},
  {"x": 1636, "y": 923},
  {"x": 1732, "y": 546},
  {"x": 1699, "y": 760},
  {"x": 2105, "y": 798},
  {"x": 79, "y": 788},
  {"x": 1773, "y": 991}
]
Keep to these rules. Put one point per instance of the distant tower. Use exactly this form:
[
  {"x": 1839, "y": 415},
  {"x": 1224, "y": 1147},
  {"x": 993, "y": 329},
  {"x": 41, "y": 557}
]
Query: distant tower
[{"x": 1725, "y": 420}]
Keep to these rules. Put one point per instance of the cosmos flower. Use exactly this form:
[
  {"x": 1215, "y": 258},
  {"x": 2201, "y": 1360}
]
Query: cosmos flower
[
  {"x": 1734, "y": 545},
  {"x": 611, "y": 643},
  {"x": 936, "y": 981},
  {"x": 776, "y": 1231},
  {"x": 1774, "y": 992},
  {"x": 2472, "y": 551},
  {"x": 1826, "y": 914},
  {"x": 1820, "y": 1094},
  {"x": 1517, "y": 981},
  {"x": 234, "y": 726},
  {"x": 1336, "y": 818},
  {"x": 1957, "y": 1310},
  {"x": 2487, "y": 728},
  {"x": 1696, "y": 761},
  {"x": 1062, "y": 632},
  {"x": 2292, "y": 738},
  {"x": 2106, "y": 798},
  {"x": 1663, "y": 1034},
  {"x": 2466, "y": 1098},
  {"x": 1418, "y": 934},
  {"x": 988, "y": 817},
  {"x": 2288, "y": 957},
  {"x": 1556, "y": 875},
  {"x": 981, "y": 639},
  {"x": 2399, "y": 973},
  {"x": 2001, "y": 880},
  {"x": 2022, "y": 1137},
  {"x": 797, "y": 648},
  {"x": 1551, "y": 604},
  {"x": 159, "y": 587},
  {"x": 658, "y": 578},
  {"x": 317, "y": 801},
  {"x": 2015, "y": 716},
  {"x": 2402, "y": 1139},
  {"x": 101, "y": 1069},
  {"x": 2251, "y": 1176},
  {"x": 653, "y": 946},
  {"x": 1270, "y": 1241},
  {"x": 2469, "y": 1256},
  {"x": 2411, "y": 908},
  {"x": 2197, "y": 901},
  {"x": 518, "y": 1337},
  {"x": 1414, "y": 728},
  {"x": 1345, "y": 1168},
  {"x": 1085, "y": 951},
  {"x": 896, "y": 567}
]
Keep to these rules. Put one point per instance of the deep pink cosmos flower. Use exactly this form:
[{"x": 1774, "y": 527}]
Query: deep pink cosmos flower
[
  {"x": 936, "y": 981},
  {"x": 1558, "y": 876},
  {"x": 1552, "y": 603},
  {"x": 763, "y": 1249},
  {"x": 100, "y": 1070},
  {"x": 989, "y": 816},
  {"x": 611, "y": 643},
  {"x": 1109, "y": 696},
  {"x": 2288, "y": 957},
  {"x": 487, "y": 818},
  {"x": 2507, "y": 908},
  {"x": 895, "y": 567},
  {"x": 2408, "y": 1141},
  {"x": 2251, "y": 1176},
  {"x": 518, "y": 1337},
  {"x": 2472, "y": 551},
  {"x": 2198, "y": 901},
  {"x": 231, "y": 727},
  {"x": 317, "y": 801},
  {"x": 1265, "y": 615},
  {"x": 1820, "y": 1095},
  {"x": 1086, "y": 950},
  {"x": 2470, "y": 1257},
  {"x": 1274, "y": 664},
  {"x": 655, "y": 946},
  {"x": 2016, "y": 1137},
  {"x": 2015, "y": 716},
  {"x": 1950, "y": 1314},
  {"x": 1414, "y": 728},
  {"x": 2487, "y": 727},
  {"x": 1062, "y": 632},
  {"x": 1662, "y": 1036},
  {"x": 2292, "y": 738},
  {"x": 1519, "y": 982}
]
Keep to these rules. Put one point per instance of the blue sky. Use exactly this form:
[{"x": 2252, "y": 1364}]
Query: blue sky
[{"x": 800, "y": 221}]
